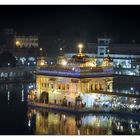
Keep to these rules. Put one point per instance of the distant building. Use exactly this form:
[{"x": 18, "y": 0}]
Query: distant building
[
  {"x": 125, "y": 57},
  {"x": 103, "y": 46},
  {"x": 26, "y": 41}
]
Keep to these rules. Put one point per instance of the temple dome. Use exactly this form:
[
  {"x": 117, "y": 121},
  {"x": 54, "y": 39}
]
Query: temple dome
[{"x": 80, "y": 58}]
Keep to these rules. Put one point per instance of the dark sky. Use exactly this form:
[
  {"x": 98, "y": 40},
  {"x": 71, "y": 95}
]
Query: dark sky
[{"x": 122, "y": 22}]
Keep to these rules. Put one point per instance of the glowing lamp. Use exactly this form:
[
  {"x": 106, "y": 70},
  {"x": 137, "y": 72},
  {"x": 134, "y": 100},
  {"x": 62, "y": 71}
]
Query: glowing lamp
[
  {"x": 17, "y": 43},
  {"x": 91, "y": 64},
  {"x": 64, "y": 62},
  {"x": 42, "y": 63},
  {"x": 80, "y": 46}
]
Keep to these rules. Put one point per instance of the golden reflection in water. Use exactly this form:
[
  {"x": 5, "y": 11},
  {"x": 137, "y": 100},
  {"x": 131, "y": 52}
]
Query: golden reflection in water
[{"x": 52, "y": 123}]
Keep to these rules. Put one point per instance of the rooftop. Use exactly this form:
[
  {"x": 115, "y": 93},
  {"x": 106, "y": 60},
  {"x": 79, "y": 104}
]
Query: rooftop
[{"x": 79, "y": 66}]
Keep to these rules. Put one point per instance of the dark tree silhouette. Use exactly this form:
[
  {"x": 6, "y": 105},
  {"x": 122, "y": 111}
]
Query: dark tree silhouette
[{"x": 5, "y": 58}]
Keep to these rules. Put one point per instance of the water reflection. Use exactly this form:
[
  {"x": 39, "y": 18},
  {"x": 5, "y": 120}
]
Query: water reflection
[
  {"x": 14, "y": 112},
  {"x": 13, "y": 93},
  {"x": 52, "y": 123}
]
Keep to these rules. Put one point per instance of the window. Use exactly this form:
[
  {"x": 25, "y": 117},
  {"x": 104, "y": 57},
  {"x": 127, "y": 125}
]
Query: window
[
  {"x": 58, "y": 86},
  {"x": 63, "y": 86},
  {"x": 101, "y": 53},
  {"x": 68, "y": 86},
  {"x": 101, "y": 48},
  {"x": 101, "y": 87},
  {"x": 45, "y": 85},
  {"x": 36, "y": 41}
]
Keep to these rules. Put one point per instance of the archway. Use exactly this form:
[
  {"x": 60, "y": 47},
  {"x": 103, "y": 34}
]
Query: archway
[{"x": 44, "y": 97}]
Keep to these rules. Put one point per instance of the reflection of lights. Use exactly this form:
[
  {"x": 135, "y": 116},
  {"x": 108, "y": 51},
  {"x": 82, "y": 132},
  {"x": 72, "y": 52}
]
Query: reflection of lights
[
  {"x": 133, "y": 130},
  {"x": 131, "y": 125},
  {"x": 119, "y": 123},
  {"x": 8, "y": 95},
  {"x": 40, "y": 49},
  {"x": 121, "y": 128},
  {"x": 118, "y": 127},
  {"x": 78, "y": 131},
  {"x": 8, "y": 64},
  {"x": 29, "y": 123},
  {"x": 22, "y": 96}
]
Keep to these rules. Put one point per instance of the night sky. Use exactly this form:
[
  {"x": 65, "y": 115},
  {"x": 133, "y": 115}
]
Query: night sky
[{"x": 88, "y": 21}]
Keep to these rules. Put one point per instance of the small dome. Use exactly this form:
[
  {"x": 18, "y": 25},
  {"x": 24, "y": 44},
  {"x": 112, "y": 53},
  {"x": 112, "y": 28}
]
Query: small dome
[
  {"x": 80, "y": 58},
  {"x": 108, "y": 58}
]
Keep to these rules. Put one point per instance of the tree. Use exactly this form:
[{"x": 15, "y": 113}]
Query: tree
[{"x": 7, "y": 59}]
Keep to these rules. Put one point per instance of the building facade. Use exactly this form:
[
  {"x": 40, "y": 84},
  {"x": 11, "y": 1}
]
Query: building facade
[
  {"x": 26, "y": 41},
  {"x": 74, "y": 82},
  {"x": 125, "y": 56}
]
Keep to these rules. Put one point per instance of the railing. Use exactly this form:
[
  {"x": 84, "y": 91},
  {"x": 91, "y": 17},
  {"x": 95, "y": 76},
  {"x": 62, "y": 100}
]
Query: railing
[{"x": 119, "y": 109}]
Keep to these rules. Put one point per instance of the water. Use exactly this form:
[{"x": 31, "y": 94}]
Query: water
[
  {"x": 17, "y": 118},
  {"x": 54, "y": 123}
]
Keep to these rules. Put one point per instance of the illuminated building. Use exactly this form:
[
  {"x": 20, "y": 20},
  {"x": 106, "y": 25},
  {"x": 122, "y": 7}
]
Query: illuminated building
[
  {"x": 26, "y": 41},
  {"x": 125, "y": 56},
  {"x": 75, "y": 79}
]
